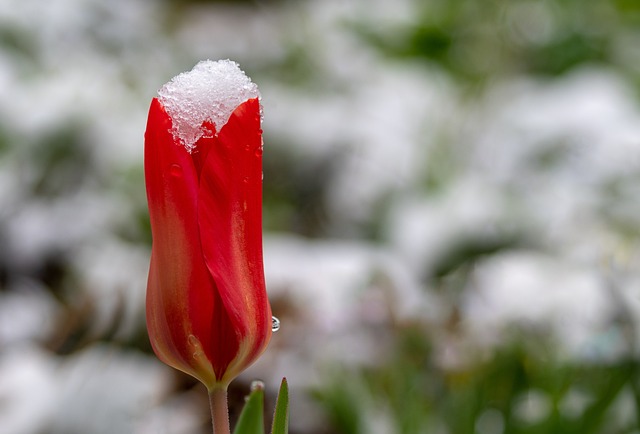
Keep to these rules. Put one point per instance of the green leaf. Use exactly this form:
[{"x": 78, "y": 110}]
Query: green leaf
[
  {"x": 281, "y": 415},
  {"x": 251, "y": 419}
]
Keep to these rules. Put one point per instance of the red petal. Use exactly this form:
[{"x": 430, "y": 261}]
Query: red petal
[
  {"x": 180, "y": 292},
  {"x": 230, "y": 219}
]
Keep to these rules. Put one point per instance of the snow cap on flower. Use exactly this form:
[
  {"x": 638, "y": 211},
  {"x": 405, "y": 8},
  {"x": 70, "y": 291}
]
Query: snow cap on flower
[{"x": 209, "y": 93}]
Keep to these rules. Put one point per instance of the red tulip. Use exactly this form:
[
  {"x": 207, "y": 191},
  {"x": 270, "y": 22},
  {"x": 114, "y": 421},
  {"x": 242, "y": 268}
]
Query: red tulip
[{"x": 207, "y": 309}]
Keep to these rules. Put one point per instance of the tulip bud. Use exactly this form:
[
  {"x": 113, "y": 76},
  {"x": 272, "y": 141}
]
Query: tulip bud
[{"x": 207, "y": 309}]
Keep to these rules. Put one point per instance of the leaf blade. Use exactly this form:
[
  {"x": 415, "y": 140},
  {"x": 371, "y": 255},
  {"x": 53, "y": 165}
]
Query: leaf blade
[
  {"x": 251, "y": 420},
  {"x": 281, "y": 414}
]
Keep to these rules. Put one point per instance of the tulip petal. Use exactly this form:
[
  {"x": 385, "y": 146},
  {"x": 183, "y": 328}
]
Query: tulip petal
[
  {"x": 230, "y": 221},
  {"x": 179, "y": 283}
]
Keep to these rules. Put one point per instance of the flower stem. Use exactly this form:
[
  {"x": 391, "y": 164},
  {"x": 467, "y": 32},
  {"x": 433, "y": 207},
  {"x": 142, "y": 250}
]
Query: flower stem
[{"x": 219, "y": 410}]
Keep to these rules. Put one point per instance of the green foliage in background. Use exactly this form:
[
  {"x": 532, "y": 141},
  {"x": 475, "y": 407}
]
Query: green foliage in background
[
  {"x": 523, "y": 388},
  {"x": 478, "y": 40}
]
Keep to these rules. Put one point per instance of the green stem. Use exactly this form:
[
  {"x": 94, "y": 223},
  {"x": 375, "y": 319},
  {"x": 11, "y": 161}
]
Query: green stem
[{"x": 219, "y": 410}]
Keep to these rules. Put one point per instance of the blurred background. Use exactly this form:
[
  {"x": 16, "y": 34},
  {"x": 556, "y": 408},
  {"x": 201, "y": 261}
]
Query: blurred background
[{"x": 452, "y": 212}]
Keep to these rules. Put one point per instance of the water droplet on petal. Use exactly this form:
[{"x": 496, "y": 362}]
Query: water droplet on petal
[
  {"x": 198, "y": 354},
  {"x": 275, "y": 324},
  {"x": 175, "y": 170},
  {"x": 193, "y": 341}
]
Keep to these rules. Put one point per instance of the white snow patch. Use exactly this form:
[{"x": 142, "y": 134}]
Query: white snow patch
[
  {"x": 211, "y": 91},
  {"x": 543, "y": 293},
  {"x": 28, "y": 389},
  {"x": 334, "y": 295}
]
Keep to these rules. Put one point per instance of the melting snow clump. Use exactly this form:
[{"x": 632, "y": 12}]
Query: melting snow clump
[{"x": 211, "y": 91}]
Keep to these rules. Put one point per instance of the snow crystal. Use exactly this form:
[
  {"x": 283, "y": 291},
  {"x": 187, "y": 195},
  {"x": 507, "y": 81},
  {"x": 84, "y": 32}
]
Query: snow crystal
[{"x": 211, "y": 91}]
